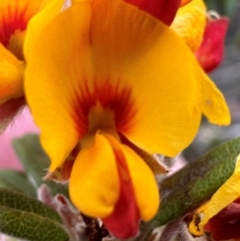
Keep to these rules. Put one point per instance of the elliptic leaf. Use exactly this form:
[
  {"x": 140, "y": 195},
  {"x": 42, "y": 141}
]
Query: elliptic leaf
[
  {"x": 188, "y": 188},
  {"x": 27, "y": 218}
]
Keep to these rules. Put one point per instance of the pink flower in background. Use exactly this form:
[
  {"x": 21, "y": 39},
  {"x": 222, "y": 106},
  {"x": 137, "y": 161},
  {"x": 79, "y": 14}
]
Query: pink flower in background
[{"x": 22, "y": 125}]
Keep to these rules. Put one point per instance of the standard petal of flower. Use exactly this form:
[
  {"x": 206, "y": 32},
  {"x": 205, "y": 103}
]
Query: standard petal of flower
[
  {"x": 94, "y": 184},
  {"x": 225, "y": 195},
  {"x": 190, "y": 23},
  {"x": 52, "y": 94},
  {"x": 11, "y": 76},
  {"x": 165, "y": 93},
  {"x": 130, "y": 50}
]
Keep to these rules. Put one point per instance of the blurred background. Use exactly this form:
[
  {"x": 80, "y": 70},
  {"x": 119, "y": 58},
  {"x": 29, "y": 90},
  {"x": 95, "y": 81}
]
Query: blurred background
[{"x": 227, "y": 78}]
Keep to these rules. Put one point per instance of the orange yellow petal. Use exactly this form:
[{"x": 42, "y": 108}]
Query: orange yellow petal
[
  {"x": 49, "y": 9},
  {"x": 165, "y": 93},
  {"x": 94, "y": 183},
  {"x": 190, "y": 22},
  {"x": 143, "y": 187},
  {"x": 211, "y": 104},
  {"x": 54, "y": 83}
]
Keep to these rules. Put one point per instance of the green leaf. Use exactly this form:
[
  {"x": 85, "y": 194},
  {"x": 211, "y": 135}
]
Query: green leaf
[
  {"x": 223, "y": 7},
  {"x": 27, "y": 218},
  {"x": 36, "y": 161},
  {"x": 17, "y": 181},
  {"x": 188, "y": 188}
]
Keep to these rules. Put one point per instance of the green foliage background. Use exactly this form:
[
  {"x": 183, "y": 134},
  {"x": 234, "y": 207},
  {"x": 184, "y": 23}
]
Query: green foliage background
[{"x": 224, "y": 7}]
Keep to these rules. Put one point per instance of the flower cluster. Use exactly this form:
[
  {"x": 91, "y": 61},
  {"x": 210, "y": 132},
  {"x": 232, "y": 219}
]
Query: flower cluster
[{"x": 109, "y": 83}]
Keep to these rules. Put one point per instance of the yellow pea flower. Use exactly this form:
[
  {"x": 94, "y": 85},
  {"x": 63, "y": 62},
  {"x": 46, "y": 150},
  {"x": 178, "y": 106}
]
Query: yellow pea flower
[
  {"x": 14, "y": 17},
  {"x": 107, "y": 77},
  {"x": 203, "y": 33}
]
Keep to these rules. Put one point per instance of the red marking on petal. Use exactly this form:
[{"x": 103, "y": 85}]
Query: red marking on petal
[
  {"x": 9, "y": 110},
  {"x": 109, "y": 96},
  {"x": 210, "y": 53},
  {"x": 226, "y": 224},
  {"x": 124, "y": 222},
  {"x": 12, "y": 18},
  {"x": 164, "y": 10}
]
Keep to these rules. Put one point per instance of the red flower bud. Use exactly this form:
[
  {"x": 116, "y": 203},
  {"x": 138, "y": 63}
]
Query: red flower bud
[{"x": 210, "y": 53}]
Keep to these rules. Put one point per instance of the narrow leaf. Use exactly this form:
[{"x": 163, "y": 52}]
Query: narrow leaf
[
  {"x": 197, "y": 182},
  {"x": 17, "y": 181},
  {"x": 24, "y": 203},
  {"x": 30, "y": 226},
  {"x": 27, "y": 218}
]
